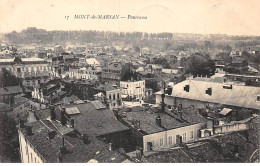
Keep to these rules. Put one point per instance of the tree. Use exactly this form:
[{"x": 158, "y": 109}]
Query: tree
[
  {"x": 7, "y": 79},
  {"x": 10, "y": 138},
  {"x": 199, "y": 64}
]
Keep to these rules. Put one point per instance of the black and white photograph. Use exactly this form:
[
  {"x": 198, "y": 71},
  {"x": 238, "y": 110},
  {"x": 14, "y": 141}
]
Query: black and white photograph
[{"x": 129, "y": 81}]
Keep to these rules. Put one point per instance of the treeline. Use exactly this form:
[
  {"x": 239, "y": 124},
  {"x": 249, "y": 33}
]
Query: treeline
[{"x": 40, "y": 36}]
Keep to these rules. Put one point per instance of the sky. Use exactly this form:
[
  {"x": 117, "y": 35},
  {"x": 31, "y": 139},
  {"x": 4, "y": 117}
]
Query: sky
[{"x": 232, "y": 17}]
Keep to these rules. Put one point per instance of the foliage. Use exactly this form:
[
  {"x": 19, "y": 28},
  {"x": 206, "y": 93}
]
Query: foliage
[
  {"x": 198, "y": 64},
  {"x": 7, "y": 79},
  {"x": 10, "y": 138},
  {"x": 150, "y": 83}
]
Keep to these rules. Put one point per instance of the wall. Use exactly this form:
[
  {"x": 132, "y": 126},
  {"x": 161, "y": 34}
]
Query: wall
[
  {"x": 136, "y": 88},
  {"x": 155, "y": 138},
  {"x": 28, "y": 153},
  {"x": 113, "y": 102},
  {"x": 170, "y": 100}
]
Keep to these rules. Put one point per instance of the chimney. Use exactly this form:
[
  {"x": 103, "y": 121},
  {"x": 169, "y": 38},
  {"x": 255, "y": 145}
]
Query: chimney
[
  {"x": 139, "y": 153},
  {"x": 110, "y": 146},
  {"x": 72, "y": 122},
  {"x": 85, "y": 139},
  {"x": 178, "y": 139},
  {"x": 52, "y": 113},
  {"x": 28, "y": 130},
  {"x": 59, "y": 158},
  {"x": 159, "y": 121},
  {"x": 234, "y": 115},
  {"x": 63, "y": 120},
  {"x": 180, "y": 114},
  {"x": 51, "y": 134},
  {"x": 62, "y": 149},
  {"x": 21, "y": 123},
  {"x": 210, "y": 124},
  {"x": 116, "y": 113},
  {"x": 163, "y": 96}
]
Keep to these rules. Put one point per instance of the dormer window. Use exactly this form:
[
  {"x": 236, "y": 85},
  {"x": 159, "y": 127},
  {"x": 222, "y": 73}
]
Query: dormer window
[
  {"x": 187, "y": 88},
  {"x": 209, "y": 91}
]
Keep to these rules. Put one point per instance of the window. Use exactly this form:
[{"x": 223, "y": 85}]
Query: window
[
  {"x": 191, "y": 135},
  {"x": 31, "y": 158},
  {"x": 118, "y": 96},
  {"x": 35, "y": 160},
  {"x": 184, "y": 136},
  {"x": 170, "y": 140},
  {"x": 114, "y": 96},
  {"x": 109, "y": 96},
  {"x": 161, "y": 141}
]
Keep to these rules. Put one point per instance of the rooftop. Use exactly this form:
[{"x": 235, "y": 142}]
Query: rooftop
[
  {"x": 240, "y": 96},
  {"x": 76, "y": 150},
  {"x": 95, "y": 121},
  {"x": 11, "y": 90},
  {"x": 169, "y": 119}
]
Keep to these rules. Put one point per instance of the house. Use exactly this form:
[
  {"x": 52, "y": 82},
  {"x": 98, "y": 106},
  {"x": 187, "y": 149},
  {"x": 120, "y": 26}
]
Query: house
[
  {"x": 153, "y": 69},
  {"x": 200, "y": 94},
  {"x": 155, "y": 128},
  {"x": 93, "y": 119},
  {"x": 47, "y": 141},
  {"x": 133, "y": 89},
  {"x": 32, "y": 71},
  {"x": 92, "y": 62},
  {"x": 114, "y": 72},
  {"x": 111, "y": 95}
]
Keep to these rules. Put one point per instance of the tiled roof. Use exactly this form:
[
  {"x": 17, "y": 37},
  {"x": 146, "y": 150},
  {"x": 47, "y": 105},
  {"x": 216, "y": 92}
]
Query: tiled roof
[
  {"x": 96, "y": 122},
  {"x": 240, "y": 96},
  {"x": 169, "y": 119},
  {"x": 77, "y": 151},
  {"x": 11, "y": 90},
  {"x": 105, "y": 87}
]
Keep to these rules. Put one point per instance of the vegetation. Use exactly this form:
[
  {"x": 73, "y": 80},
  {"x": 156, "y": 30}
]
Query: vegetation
[
  {"x": 7, "y": 79},
  {"x": 10, "y": 139},
  {"x": 199, "y": 64}
]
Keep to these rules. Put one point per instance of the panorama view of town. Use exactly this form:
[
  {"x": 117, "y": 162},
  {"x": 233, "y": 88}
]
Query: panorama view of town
[{"x": 128, "y": 97}]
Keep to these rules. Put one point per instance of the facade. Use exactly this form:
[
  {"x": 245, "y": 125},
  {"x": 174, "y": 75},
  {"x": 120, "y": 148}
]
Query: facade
[
  {"x": 111, "y": 95},
  {"x": 32, "y": 71},
  {"x": 113, "y": 73},
  {"x": 133, "y": 89},
  {"x": 154, "y": 129}
]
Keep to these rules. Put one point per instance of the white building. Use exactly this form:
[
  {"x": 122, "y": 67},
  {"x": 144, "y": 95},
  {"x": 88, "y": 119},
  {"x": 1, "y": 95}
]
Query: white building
[
  {"x": 32, "y": 71},
  {"x": 133, "y": 89},
  {"x": 156, "y": 129}
]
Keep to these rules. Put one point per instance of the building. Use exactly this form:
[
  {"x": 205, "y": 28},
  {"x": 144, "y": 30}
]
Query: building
[
  {"x": 113, "y": 73},
  {"x": 111, "y": 95},
  {"x": 154, "y": 128},
  {"x": 201, "y": 94},
  {"x": 133, "y": 89},
  {"x": 153, "y": 69},
  {"x": 92, "y": 62},
  {"x": 250, "y": 80},
  {"x": 7, "y": 94},
  {"x": 32, "y": 71},
  {"x": 47, "y": 141}
]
